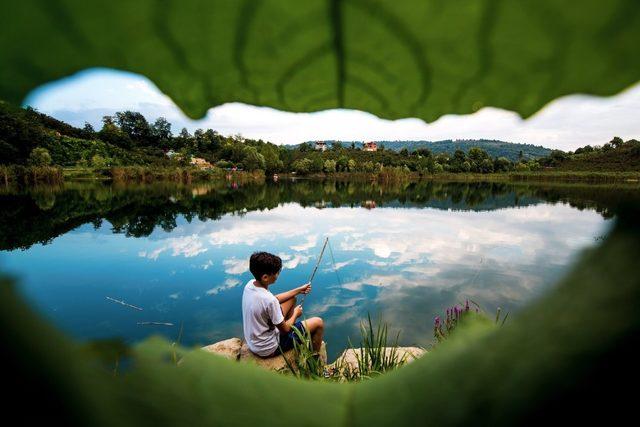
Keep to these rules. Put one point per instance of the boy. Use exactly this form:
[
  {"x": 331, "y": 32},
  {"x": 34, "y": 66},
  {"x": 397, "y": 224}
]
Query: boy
[{"x": 268, "y": 319}]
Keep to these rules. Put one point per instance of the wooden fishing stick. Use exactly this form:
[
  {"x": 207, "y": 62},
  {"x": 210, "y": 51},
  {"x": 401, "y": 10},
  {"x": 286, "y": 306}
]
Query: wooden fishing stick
[
  {"x": 156, "y": 323},
  {"x": 124, "y": 303},
  {"x": 313, "y": 274}
]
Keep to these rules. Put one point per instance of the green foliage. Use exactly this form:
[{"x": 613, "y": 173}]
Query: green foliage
[
  {"x": 253, "y": 160},
  {"x": 307, "y": 363},
  {"x": 616, "y": 156},
  {"x": 375, "y": 355},
  {"x": 329, "y": 166},
  {"x": 429, "y": 70},
  {"x": 39, "y": 157}
]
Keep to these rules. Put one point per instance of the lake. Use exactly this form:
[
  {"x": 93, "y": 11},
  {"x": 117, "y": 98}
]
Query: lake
[{"x": 403, "y": 251}]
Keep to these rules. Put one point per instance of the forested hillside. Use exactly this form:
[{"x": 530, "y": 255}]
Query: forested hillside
[{"x": 510, "y": 150}]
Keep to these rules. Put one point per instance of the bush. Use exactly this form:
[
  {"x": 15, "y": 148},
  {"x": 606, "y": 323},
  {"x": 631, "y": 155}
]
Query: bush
[
  {"x": 39, "y": 157},
  {"x": 329, "y": 166},
  {"x": 302, "y": 166}
]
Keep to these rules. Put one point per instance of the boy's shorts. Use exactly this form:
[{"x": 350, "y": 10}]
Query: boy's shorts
[{"x": 287, "y": 340}]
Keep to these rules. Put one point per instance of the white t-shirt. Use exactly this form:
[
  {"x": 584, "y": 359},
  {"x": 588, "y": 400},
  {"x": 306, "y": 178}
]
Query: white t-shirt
[{"x": 260, "y": 313}]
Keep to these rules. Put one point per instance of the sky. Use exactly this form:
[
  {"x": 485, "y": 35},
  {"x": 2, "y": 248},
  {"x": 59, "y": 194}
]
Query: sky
[{"x": 566, "y": 123}]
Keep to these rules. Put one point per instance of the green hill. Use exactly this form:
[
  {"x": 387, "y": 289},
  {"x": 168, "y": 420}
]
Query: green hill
[
  {"x": 494, "y": 148},
  {"x": 614, "y": 156}
]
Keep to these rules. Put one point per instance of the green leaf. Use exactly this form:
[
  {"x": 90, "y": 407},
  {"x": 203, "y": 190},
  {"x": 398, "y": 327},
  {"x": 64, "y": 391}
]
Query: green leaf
[{"x": 394, "y": 59}]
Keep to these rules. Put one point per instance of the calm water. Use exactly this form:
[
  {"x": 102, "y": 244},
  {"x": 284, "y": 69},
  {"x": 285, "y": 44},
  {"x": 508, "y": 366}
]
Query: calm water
[{"x": 405, "y": 252}]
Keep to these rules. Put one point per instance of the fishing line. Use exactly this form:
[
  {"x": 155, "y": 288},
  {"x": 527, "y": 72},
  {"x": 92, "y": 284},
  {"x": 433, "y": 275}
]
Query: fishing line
[
  {"x": 315, "y": 269},
  {"x": 333, "y": 260}
]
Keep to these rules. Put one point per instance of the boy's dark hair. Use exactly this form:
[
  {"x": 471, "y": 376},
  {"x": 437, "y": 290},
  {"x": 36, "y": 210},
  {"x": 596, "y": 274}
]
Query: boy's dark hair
[{"x": 264, "y": 263}]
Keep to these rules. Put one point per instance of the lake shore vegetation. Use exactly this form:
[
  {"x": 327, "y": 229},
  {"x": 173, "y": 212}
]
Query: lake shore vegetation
[{"x": 35, "y": 147}]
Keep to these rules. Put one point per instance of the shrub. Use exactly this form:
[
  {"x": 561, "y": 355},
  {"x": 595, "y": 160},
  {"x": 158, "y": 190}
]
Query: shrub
[{"x": 39, "y": 157}]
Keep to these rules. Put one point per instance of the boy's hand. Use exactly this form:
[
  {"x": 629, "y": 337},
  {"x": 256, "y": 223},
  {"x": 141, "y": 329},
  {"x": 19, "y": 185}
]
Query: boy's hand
[
  {"x": 304, "y": 289},
  {"x": 297, "y": 312}
]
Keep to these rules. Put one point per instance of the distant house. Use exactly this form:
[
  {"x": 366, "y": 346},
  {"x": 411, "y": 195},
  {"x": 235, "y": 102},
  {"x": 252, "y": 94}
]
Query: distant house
[
  {"x": 321, "y": 146},
  {"x": 171, "y": 154},
  {"x": 370, "y": 146},
  {"x": 201, "y": 163}
]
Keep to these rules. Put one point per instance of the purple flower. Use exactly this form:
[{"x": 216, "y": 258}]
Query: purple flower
[{"x": 437, "y": 321}]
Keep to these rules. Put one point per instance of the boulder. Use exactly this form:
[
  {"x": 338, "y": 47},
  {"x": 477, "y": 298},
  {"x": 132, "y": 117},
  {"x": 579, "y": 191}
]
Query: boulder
[
  {"x": 229, "y": 348},
  {"x": 276, "y": 363},
  {"x": 349, "y": 358},
  {"x": 236, "y": 349}
]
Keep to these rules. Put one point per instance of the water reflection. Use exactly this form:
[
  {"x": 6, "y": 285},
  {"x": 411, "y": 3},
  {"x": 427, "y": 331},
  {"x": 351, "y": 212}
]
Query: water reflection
[{"x": 405, "y": 251}]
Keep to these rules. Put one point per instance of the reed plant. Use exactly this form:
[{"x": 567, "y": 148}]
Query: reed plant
[
  {"x": 30, "y": 175},
  {"x": 376, "y": 355},
  {"x": 307, "y": 363}
]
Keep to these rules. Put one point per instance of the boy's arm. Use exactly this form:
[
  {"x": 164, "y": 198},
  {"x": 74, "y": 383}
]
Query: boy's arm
[
  {"x": 286, "y": 296},
  {"x": 285, "y": 326}
]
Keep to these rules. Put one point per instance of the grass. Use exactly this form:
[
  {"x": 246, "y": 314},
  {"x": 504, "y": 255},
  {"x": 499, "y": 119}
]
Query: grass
[
  {"x": 30, "y": 175},
  {"x": 375, "y": 356},
  {"x": 148, "y": 174}
]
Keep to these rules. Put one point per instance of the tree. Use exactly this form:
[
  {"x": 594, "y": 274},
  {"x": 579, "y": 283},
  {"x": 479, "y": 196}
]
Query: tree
[
  {"x": 329, "y": 166},
  {"x": 134, "y": 125},
  {"x": 97, "y": 161},
  {"x": 502, "y": 164},
  {"x": 302, "y": 166},
  {"x": 271, "y": 157},
  {"x": 39, "y": 157},
  {"x": 616, "y": 141},
  {"x": 342, "y": 164},
  {"x": 89, "y": 130},
  {"x": 252, "y": 159},
  {"x": 111, "y": 133},
  {"x": 486, "y": 166},
  {"x": 161, "y": 131},
  {"x": 316, "y": 164},
  {"x": 305, "y": 147},
  {"x": 183, "y": 139}
]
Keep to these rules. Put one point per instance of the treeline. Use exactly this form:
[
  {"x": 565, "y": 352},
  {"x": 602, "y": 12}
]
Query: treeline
[
  {"x": 511, "y": 150},
  {"x": 28, "y": 137},
  {"x": 616, "y": 155}
]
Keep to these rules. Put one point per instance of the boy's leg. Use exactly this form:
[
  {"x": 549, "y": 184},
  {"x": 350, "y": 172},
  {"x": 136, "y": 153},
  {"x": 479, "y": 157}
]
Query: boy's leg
[
  {"x": 315, "y": 326},
  {"x": 287, "y": 307}
]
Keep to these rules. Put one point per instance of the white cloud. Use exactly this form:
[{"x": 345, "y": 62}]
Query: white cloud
[
  {"x": 206, "y": 265},
  {"x": 187, "y": 246},
  {"x": 236, "y": 266},
  {"x": 310, "y": 242},
  {"x": 228, "y": 284}
]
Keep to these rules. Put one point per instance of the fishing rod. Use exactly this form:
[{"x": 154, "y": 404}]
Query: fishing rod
[{"x": 315, "y": 269}]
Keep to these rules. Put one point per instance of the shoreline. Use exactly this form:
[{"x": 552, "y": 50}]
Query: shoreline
[{"x": 25, "y": 175}]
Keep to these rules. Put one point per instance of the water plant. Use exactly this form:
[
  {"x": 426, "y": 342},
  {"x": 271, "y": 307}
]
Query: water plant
[
  {"x": 307, "y": 363},
  {"x": 459, "y": 314}
]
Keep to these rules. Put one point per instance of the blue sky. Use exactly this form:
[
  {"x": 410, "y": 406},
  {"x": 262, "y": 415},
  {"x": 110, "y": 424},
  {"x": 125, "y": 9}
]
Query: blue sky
[{"x": 566, "y": 123}]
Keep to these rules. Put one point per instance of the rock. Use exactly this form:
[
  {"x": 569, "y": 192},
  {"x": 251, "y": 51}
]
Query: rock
[
  {"x": 236, "y": 349},
  {"x": 276, "y": 363},
  {"x": 349, "y": 358},
  {"x": 228, "y": 348}
]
